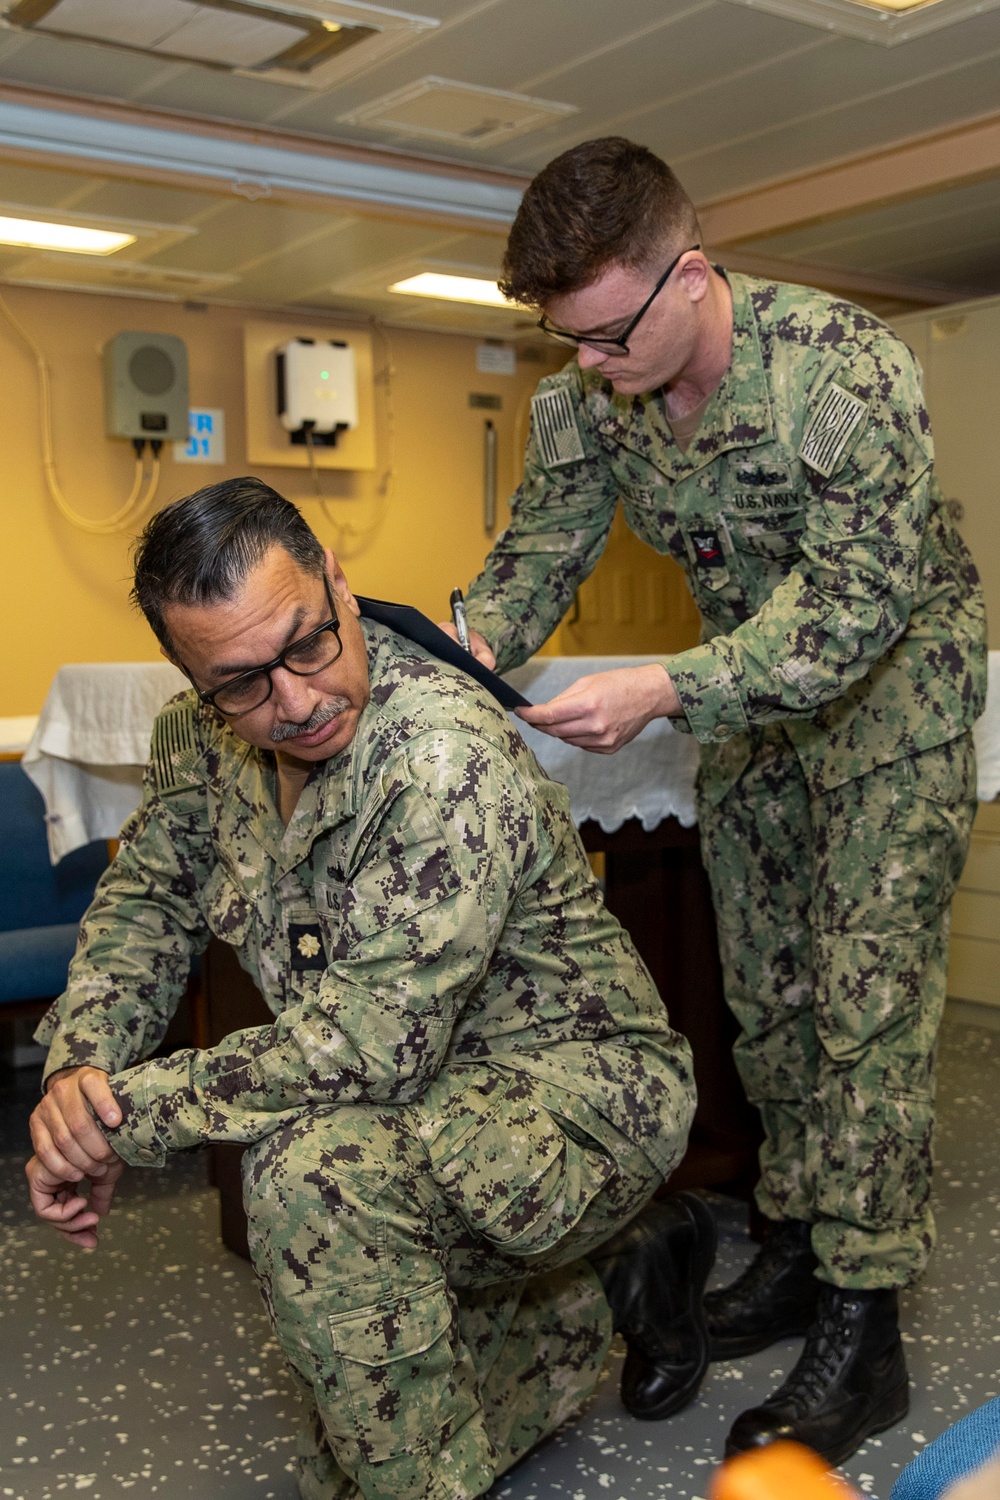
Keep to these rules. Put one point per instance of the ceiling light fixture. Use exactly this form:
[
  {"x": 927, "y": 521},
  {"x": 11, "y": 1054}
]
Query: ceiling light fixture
[
  {"x": 898, "y": 7},
  {"x": 885, "y": 22},
  {"x": 40, "y": 235},
  {"x": 455, "y": 289}
]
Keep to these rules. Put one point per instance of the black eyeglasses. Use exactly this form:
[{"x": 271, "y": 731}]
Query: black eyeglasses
[
  {"x": 620, "y": 344},
  {"x": 305, "y": 657}
]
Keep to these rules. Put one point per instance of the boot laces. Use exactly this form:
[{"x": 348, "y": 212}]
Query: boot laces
[
  {"x": 819, "y": 1363},
  {"x": 760, "y": 1272}
]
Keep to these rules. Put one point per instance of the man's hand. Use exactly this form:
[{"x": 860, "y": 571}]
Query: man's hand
[
  {"x": 69, "y": 1146},
  {"x": 64, "y": 1132},
  {"x": 60, "y": 1203},
  {"x": 603, "y": 712},
  {"x": 480, "y": 645}
]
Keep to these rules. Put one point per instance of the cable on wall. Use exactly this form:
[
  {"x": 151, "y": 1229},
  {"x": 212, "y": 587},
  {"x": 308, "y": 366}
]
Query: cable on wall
[
  {"x": 351, "y": 541},
  {"x": 136, "y": 502}
]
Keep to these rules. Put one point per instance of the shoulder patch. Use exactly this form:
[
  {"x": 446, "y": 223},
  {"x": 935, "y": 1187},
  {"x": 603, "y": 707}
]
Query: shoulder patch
[
  {"x": 556, "y": 432},
  {"x": 830, "y": 428},
  {"x": 174, "y": 750}
]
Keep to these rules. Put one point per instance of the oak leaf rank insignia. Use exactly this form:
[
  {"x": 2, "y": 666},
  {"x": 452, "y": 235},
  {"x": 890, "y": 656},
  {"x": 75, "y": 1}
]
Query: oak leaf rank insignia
[{"x": 305, "y": 942}]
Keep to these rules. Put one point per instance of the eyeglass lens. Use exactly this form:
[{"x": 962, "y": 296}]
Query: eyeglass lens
[{"x": 304, "y": 658}]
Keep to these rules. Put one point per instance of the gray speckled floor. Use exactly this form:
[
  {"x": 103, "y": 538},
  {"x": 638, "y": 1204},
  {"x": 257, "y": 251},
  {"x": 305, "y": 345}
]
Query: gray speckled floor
[{"x": 148, "y": 1367}]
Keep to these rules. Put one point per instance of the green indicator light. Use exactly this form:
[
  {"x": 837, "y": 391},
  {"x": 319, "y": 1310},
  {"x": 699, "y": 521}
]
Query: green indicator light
[{"x": 324, "y": 374}]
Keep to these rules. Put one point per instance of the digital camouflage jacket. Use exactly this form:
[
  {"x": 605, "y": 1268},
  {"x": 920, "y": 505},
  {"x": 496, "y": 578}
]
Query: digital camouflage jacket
[
  {"x": 835, "y": 593},
  {"x": 428, "y": 911}
]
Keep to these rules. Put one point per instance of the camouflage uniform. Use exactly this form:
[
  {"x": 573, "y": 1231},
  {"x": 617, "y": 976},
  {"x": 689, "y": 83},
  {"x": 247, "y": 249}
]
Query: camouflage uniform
[
  {"x": 469, "y": 1082},
  {"x": 842, "y": 664}
]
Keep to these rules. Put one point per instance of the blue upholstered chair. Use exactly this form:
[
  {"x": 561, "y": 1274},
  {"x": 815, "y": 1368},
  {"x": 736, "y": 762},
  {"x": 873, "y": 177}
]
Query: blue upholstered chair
[
  {"x": 40, "y": 904},
  {"x": 955, "y": 1455}
]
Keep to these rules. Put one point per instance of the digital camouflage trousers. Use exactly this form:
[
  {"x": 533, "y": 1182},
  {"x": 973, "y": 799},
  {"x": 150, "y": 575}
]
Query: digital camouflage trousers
[
  {"x": 833, "y": 917},
  {"x": 422, "y": 1266}
]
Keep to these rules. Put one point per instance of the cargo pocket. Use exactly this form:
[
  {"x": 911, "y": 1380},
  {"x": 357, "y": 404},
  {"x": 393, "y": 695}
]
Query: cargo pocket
[
  {"x": 929, "y": 838},
  {"x": 884, "y": 1176},
  {"x": 518, "y": 1179},
  {"x": 396, "y": 1360},
  {"x": 902, "y": 1181}
]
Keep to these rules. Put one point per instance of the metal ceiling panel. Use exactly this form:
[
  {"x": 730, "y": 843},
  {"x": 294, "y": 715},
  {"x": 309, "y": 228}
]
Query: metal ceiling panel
[
  {"x": 48, "y": 187},
  {"x": 80, "y": 67},
  {"x": 922, "y": 218},
  {"x": 240, "y": 232},
  {"x": 144, "y": 200},
  {"x": 853, "y": 125},
  {"x": 200, "y": 91}
]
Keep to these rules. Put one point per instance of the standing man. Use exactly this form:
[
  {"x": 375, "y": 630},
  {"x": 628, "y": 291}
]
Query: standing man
[{"x": 774, "y": 440}]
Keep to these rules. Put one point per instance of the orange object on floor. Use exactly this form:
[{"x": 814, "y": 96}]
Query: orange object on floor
[{"x": 781, "y": 1471}]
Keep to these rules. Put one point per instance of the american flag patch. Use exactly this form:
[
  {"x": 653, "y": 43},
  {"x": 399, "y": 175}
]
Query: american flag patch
[
  {"x": 553, "y": 422},
  {"x": 174, "y": 752},
  {"x": 830, "y": 429}
]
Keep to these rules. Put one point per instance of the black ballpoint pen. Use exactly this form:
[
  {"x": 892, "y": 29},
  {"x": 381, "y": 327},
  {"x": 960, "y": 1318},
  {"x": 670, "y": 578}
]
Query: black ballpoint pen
[{"x": 458, "y": 615}]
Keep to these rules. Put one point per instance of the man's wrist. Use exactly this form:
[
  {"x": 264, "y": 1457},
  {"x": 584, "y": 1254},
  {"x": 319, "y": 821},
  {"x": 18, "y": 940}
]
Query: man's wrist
[{"x": 668, "y": 703}]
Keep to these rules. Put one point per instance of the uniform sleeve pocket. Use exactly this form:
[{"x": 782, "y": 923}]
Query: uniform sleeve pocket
[{"x": 227, "y": 910}]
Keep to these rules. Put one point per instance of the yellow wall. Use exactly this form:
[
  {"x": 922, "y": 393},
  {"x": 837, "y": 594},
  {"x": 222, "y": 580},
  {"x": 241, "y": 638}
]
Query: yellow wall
[{"x": 64, "y": 594}]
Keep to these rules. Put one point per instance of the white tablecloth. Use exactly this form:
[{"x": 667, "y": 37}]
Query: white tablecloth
[
  {"x": 92, "y": 740},
  {"x": 650, "y": 779},
  {"x": 90, "y": 745},
  {"x": 987, "y": 736}
]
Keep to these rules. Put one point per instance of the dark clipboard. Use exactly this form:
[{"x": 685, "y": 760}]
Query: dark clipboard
[{"x": 409, "y": 622}]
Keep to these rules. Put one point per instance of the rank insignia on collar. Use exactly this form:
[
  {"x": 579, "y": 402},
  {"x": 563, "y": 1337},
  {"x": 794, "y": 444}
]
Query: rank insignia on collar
[
  {"x": 831, "y": 427},
  {"x": 305, "y": 942}
]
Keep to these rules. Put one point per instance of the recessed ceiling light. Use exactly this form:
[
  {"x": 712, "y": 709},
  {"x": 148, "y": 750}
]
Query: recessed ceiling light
[
  {"x": 39, "y": 235},
  {"x": 455, "y": 289},
  {"x": 898, "y": 7},
  {"x": 885, "y": 22}
]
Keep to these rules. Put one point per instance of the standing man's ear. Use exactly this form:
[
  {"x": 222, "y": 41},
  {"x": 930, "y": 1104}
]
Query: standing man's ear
[
  {"x": 695, "y": 275},
  {"x": 337, "y": 577}
]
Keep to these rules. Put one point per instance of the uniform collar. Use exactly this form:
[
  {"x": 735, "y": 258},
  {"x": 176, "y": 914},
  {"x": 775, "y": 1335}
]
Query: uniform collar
[{"x": 737, "y": 416}]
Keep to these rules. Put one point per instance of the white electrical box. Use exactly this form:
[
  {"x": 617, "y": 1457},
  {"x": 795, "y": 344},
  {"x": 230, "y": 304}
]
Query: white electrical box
[{"x": 317, "y": 390}]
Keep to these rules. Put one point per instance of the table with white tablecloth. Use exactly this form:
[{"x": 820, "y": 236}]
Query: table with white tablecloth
[
  {"x": 91, "y": 743},
  {"x": 88, "y": 747}
]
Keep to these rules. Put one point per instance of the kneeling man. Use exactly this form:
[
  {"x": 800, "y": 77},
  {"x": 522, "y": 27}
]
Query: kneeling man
[{"x": 470, "y": 1089}]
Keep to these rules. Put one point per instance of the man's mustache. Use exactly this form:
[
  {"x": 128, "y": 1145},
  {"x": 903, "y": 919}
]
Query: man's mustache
[{"x": 321, "y": 714}]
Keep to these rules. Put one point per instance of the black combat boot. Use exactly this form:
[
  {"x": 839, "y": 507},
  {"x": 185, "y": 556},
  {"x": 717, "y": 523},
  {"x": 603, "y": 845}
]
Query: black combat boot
[
  {"x": 654, "y": 1275},
  {"x": 775, "y": 1298},
  {"x": 850, "y": 1380}
]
